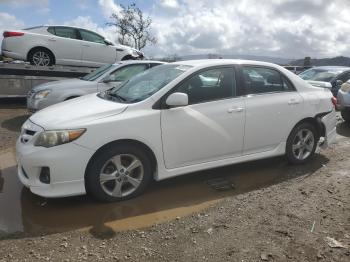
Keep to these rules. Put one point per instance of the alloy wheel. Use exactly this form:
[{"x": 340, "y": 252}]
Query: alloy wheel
[
  {"x": 303, "y": 144},
  {"x": 121, "y": 175},
  {"x": 41, "y": 58}
]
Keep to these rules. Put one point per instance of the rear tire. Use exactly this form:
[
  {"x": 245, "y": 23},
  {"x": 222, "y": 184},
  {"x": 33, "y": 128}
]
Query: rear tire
[
  {"x": 301, "y": 143},
  {"x": 345, "y": 114},
  {"x": 119, "y": 172},
  {"x": 41, "y": 57}
]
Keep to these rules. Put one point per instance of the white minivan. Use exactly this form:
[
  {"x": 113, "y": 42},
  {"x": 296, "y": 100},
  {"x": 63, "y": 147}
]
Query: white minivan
[{"x": 171, "y": 120}]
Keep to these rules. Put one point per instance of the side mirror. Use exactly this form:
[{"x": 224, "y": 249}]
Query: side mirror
[
  {"x": 108, "y": 79},
  {"x": 177, "y": 99},
  {"x": 108, "y": 42}
]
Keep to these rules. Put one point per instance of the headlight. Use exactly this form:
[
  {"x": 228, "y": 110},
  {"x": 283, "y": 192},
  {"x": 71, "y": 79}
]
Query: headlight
[
  {"x": 345, "y": 87},
  {"x": 42, "y": 94},
  {"x": 59, "y": 137}
]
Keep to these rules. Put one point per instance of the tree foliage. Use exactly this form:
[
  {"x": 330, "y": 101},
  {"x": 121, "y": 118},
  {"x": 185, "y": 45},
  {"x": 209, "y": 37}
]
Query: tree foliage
[{"x": 133, "y": 27}]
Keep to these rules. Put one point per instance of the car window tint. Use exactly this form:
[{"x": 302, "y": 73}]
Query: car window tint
[
  {"x": 66, "y": 32},
  {"x": 127, "y": 72},
  {"x": 209, "y": 85},
  {"x": 91, "y": 37},
  {"x": 344, "y": 77},
  {"x": 264, "y": 80}
]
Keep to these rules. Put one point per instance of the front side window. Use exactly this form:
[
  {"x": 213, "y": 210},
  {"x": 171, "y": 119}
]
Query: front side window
[
  {"x": 209, "y": 85},
  {"x": 66, "y": 32},
  {"x": 91, "y": 37},
  {"x": 146, "y": 83},
  {"x": 127, "y": 72},
  {"x": 264, "y": 80}
]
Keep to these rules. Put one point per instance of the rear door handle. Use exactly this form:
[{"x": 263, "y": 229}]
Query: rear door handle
[
  {"x": 293, "y": 101},
  {"x": 52, "y": 39},
  {"x": 86, "y": 45},
  {"x": 235, "y": 110}
]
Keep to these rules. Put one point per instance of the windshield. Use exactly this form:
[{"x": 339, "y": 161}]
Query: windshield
[
  {"x": 97, "y": 73},
  {"x": 325, "y": 75},
  {"x": 146, "y": 84}
]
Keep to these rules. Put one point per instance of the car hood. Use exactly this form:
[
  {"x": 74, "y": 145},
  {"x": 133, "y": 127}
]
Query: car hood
[
  {"x": 320, "y": 84},
  {"x": 64, "y": 84},
  {"x": 75, "y": 113}
]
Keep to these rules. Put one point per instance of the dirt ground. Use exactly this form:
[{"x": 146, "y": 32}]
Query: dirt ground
[{"x": 272, "y": 211}]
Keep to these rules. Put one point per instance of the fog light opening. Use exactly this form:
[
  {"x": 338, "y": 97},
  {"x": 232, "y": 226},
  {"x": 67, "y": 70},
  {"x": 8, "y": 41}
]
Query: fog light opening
[{"x": 44, "y": 176}]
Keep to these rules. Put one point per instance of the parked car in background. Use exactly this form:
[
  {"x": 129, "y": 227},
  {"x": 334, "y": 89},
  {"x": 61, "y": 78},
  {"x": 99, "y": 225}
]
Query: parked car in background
[
  {"x": 331, "y": 77},
  {"x": 166, "y": 122},
  {"x": 343, "y": 101},
  {"x": 99, "y": 80},
  {"x": 64, "y": 45}
]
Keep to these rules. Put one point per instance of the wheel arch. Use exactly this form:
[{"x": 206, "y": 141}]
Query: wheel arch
[
  {"x": 316, "y": 123},
  {"x": 41, "y": 47},
  {"x": 133, "y": 142}
]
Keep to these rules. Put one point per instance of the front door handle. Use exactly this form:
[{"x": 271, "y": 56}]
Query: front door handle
[
  {"x": 235, "y": 110},
  {"x": 52, "y": 39},
  {"x": 86, "y": 45},
  {"x": 293, "y": 101}
]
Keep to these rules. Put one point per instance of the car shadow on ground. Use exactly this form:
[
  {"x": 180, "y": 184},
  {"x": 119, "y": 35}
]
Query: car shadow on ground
[
  {"x": 343, "y": 129},
  {"x": 164, "y": 200},
  {"x": 14, "y": 124}
]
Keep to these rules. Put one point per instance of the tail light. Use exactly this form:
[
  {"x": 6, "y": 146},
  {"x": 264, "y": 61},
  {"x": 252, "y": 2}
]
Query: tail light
[
  {"x": 10, "y": 34},
  {"x": 334, "y": 101}
]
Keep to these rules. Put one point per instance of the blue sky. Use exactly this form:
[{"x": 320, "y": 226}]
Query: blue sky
[{"x": 282, "y": 28}]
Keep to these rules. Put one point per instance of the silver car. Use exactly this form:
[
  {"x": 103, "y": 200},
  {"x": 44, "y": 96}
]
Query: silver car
[
  {"x": 100, "y": 80},
  {"x": 343, "y": 101}
]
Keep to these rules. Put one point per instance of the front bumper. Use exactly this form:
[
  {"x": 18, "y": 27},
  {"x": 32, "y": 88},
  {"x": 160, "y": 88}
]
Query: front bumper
[{"x": 67, "y": 165}]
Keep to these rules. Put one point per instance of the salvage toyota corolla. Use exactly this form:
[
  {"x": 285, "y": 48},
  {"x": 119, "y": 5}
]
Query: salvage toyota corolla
[{"x": 170, "y": 120}]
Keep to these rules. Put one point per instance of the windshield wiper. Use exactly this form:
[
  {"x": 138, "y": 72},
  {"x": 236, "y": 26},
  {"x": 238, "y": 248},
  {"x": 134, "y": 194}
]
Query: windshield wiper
[{"x": 123, "y": 99}]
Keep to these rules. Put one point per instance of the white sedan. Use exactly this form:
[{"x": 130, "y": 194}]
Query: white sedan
[
  {"x": 167, "y": 122},
  {"x": 64, "y": 45}
]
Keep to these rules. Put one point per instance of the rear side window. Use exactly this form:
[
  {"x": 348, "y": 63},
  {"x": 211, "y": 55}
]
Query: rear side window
[
  {"x": 66, "y": 32},
  {"x": 91, "y": 37},
  {"x": 51, "y": 30},
  {"x": 259, "y": 80}
]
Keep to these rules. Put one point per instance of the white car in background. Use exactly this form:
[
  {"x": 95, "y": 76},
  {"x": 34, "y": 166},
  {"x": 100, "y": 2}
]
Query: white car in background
[
  {"x": 166, "y": 122},
  {"x": 64, "y": 45},
  {"x": 101, "y": 79}
]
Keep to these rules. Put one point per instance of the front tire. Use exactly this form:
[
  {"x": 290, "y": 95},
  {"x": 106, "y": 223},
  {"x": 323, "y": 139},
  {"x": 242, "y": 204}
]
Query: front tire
[
  {"x": 301, "y": 143},
  {"x": 41, "y": 57},
  {"x": 118, "y": 172},
  {"x": 345, "y": 114}
]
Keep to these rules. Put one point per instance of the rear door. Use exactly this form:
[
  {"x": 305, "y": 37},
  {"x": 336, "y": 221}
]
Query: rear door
[
  {"x": 66, "y": 45},
  {"x": 273, "y": 107},
  {"x": 96, "y": 51}
]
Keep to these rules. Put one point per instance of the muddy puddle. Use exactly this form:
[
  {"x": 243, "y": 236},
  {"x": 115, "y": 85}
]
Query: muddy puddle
[{"x": 24, "y": 213}]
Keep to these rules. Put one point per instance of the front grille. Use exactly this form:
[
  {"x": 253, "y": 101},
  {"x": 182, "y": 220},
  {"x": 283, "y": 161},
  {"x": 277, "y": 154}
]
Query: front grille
[
  {"x": 30, "y": 132},
  {"x": 30, "y": 94}
]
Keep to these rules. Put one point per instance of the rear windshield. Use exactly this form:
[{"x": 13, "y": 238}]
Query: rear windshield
[{"x": 320, "y": 74}]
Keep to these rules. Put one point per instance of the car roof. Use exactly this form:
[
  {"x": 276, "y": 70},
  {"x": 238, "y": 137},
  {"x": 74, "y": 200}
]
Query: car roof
[
  {"x": 215, "y": 62},
  {"x": 126, "y": 62},
  {"x": 332, "y": 68}
]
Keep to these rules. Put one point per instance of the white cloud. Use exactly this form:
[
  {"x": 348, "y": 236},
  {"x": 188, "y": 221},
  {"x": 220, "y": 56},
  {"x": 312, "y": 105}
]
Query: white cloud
[
  {"x": 289, "y": 28},
  {"x": 109, "y": 7}
]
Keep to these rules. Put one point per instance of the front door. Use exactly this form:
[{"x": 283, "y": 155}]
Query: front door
[
  {"x": 211, "y": 127},
  {"x": 96, "y": 51}
]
